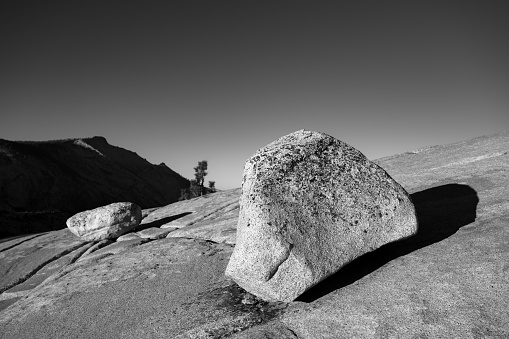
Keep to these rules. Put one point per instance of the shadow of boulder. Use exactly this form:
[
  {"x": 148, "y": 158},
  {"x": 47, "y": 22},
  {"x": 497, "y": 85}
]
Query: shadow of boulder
[
  {"x": 160, "y": 222},
  {"x": 440, "y": 211}
]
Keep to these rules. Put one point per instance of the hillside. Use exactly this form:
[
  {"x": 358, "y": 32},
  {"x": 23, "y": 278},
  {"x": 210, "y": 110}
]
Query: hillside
[{"x": 43, "y": 183}]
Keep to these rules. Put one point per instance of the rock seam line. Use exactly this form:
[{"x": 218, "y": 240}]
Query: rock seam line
[
  {"x": 29, "y": 274},
  {"x": 21, "y": 242},
  {"x": 192, "y": 222}
]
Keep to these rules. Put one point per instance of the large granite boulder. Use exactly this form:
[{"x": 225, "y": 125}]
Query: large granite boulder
[
  {"x": 106, "y": 222},
  {"x": 311, "y": 204}
]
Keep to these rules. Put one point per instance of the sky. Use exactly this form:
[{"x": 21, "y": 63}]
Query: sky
[{"x": 183, "y": 81}]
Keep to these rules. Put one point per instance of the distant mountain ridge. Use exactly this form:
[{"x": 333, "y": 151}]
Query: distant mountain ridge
[{"x": 63, "y": 177}]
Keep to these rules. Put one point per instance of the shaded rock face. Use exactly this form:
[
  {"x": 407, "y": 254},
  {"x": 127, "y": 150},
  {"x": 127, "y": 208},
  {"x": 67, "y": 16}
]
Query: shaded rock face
[
  {"x": 44, "y": 183},
  {"x": 106, "y": 222},
  {"x": 310, "y": 204}
]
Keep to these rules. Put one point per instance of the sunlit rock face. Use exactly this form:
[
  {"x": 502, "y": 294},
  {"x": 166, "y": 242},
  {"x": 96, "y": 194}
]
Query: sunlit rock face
[
  {"x": 311, "y": 204},
  {"x": 106, "y": 222}
]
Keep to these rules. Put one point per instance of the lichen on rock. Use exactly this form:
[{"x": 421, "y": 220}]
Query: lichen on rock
[{"x": 310, "y": 204}]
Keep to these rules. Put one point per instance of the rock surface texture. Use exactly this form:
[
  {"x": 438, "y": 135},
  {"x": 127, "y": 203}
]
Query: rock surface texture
[
  {"x": 106, "y": 222},
  {"x": 310, "y": 204},
  {"x": 450, "y": 280}
]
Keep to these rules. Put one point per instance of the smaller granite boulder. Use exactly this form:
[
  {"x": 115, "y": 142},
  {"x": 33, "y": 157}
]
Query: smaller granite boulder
[
  {"x": 311, "y": 204},
  {"x": 106, "y": 222}
]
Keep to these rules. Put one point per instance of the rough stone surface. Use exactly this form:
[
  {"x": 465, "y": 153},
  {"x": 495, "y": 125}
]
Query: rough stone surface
[
  {"x": 112, "y": 248},
  {"x": 311, "y": 204},
  {"x": 210, "y": 217},
  {"x": 450, "y": 280},
  {"x": 220, "y": 227},
  {"x": 128, "y": 236},
  {"x": 21, "y": 260},
  {"x": 193, "y": 211},
  {"x": 106, "y": 222},
  {"x": 166, "y": 288},
  {"x": 96, "y": 245},
  {"x": 154, "y": 232}
]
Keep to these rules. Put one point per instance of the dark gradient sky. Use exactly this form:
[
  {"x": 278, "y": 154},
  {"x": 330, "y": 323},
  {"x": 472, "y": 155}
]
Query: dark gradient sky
[{"x": 178, "y": 82}]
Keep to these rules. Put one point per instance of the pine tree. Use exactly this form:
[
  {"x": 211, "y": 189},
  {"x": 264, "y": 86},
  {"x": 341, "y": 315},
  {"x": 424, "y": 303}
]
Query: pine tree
[
  {"x": 200, "y": 173},
  {"x": 196, "y": 188}
]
